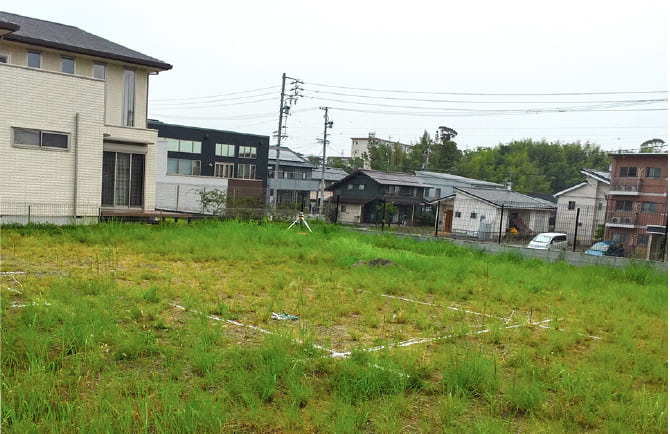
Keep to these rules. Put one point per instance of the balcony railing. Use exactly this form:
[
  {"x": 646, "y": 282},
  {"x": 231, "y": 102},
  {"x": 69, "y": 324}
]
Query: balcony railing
[{"x": 626, "y": 186}]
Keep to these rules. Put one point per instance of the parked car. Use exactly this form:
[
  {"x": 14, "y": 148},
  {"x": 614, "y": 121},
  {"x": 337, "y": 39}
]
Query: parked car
[
  {"x": 549, "y": 241},
  {"x": 605, "y": 248}
]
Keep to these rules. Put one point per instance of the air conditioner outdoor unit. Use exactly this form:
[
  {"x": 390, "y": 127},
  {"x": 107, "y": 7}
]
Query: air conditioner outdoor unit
[
  {"x": 627, "y": 220},
  {"x": 615, "y": 220},
  {"x": 618, "y": 187},
  {"x": 629, "y": 188}
]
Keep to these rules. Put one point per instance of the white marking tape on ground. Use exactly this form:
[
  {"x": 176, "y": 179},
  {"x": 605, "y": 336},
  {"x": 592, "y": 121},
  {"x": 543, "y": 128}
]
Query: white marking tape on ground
[
  {"x": 31, "y": 304},
  {"x": 580, "y": 334},
  {"x": 448, "y": 307},
  {"x": 239, "y": 324},
  {"x": 11, "y": 273},
  {"x": 424, "y": 340}
]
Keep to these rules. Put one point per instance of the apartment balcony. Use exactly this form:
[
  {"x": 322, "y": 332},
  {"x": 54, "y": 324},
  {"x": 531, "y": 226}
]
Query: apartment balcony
[
  {"x": 626, "y": 186},
  {"x": 621, "y": 219}
]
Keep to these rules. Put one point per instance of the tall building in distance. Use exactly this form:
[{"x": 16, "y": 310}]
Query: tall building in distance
[{"x": 359, "y": 148}]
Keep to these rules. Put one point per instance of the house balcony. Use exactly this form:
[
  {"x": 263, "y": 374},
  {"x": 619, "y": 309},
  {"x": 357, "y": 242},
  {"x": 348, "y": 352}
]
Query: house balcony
[
  {"x": 621, "y": 219},
  {"x": 626, "y": 186}
]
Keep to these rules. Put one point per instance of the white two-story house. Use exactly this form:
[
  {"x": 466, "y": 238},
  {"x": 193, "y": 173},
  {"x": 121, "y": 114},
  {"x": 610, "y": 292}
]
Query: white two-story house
[{"x": 74, "y": 141}]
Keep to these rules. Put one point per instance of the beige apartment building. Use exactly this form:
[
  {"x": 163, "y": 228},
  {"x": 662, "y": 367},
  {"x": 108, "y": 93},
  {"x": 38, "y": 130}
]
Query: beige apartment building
[{"x": 74, "y": 140}]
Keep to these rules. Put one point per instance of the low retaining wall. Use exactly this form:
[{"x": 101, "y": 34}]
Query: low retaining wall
[{"x": 577, "y": 259}]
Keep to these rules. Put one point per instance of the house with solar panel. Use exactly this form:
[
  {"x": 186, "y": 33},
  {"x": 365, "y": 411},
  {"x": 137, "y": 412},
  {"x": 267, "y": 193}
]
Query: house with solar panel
[{"x": 74, "y": 141}]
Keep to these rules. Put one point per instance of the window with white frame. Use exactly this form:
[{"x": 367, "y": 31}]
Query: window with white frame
[
  {"x": 350, "y": 186},
  {"x": 24, "y": 137},
  {"x": 182, "y": 166},
  {"x": 189, "y": 146},
  {"x": 224, "y": 170},
  {"x": 128, "y": 115},
  {"x": 4, "y": 57},
  {"x": 246, "y": 171},
  {"x": 100, "y": 71},
  {"x": 247, "y": 152},
  {"x": 225, "y": 150},
  {"x": 627, "y": 172},
  {"x": 67, "y": 65},
  {"x": 361, "y": 186},
  {"x": 34, "y": 59}
]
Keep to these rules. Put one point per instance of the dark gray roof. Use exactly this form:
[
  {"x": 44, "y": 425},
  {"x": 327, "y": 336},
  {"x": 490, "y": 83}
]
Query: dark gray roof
[
  {"x": 68, "y": 38},
  {"x": 393, "y": 178},
  {"x": 286, "y": 155},
  {"x": 329, "y": 173},
  {"x": 510, "y": 199}
]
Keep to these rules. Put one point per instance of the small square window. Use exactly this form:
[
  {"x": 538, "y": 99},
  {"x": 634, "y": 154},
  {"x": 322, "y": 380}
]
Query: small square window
[
  {"x": 473, "y": 215},
  {"x": 4, "y": 58},
  {"x": 458, "y": 214},
  {"x": 649, "y": 207},
  {"x": 34, "y": 59},
  {"x": 361, "y": 186},
  {"x": 619, "y": 237},
  {"x": 571, "y": 204},
  {"x": 350, "y": 186},
  {"x": 173, "y": 145},
  {"x": 623, "y": 205},
  {"x": 67, "y": 65},
  {"x": 653, "y": 172},
  {"x": 99, "y": 71},
  {"x": 642, "y": 240}
]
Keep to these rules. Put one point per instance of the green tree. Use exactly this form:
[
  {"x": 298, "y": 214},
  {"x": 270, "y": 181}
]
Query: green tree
[
  {"x": 388, "y": 213},
  {"x": 532, "y": 166},
  {"x": 652, "y": 145}
]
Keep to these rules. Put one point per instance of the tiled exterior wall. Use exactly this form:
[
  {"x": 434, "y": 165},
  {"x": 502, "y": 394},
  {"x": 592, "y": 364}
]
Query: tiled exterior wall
[
  {"x": 42, "y": 100},
  {"x": 47, "y": 99}
]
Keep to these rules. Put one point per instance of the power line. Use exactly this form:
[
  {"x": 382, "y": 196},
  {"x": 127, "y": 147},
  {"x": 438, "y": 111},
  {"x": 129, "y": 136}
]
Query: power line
[
  {"x": 214, "y": 96},
  {"x": 490, "y": 94},
  {"x": 472, "y": 101},
  {"x": 195, "y": 104},
  {"x": 482, "y": 113}
]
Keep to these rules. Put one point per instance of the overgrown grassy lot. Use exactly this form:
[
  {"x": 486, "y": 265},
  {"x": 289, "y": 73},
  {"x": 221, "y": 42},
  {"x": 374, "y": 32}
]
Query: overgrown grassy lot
[{"x": 134, "y": 328}]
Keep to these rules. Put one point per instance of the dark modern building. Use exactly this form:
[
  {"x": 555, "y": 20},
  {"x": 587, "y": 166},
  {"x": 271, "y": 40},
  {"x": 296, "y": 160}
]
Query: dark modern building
[{"x": 191, "y": 160}]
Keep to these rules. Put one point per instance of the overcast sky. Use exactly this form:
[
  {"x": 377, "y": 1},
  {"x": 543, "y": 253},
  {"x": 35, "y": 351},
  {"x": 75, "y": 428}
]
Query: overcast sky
[{"x": 493, "y": 71}]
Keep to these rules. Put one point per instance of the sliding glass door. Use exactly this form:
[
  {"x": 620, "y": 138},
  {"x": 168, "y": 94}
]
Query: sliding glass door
[{"x": 122, "y": 179}]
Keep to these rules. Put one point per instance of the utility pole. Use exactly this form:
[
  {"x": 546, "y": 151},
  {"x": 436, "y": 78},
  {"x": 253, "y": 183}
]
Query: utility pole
[
  {"x": 284, "y": 112},
  {"x": 326, "y": 124}
]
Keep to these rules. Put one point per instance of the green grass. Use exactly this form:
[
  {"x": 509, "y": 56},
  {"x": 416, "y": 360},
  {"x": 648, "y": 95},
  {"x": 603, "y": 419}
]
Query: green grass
[{"x": 101, "y": 347}]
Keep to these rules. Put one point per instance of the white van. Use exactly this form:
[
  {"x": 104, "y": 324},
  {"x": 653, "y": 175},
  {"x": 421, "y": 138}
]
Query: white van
[{"x": 549, "y": 241}]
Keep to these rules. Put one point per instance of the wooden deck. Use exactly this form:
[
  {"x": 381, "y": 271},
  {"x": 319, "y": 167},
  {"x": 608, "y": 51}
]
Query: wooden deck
[{"x": 141, "y": 214}]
